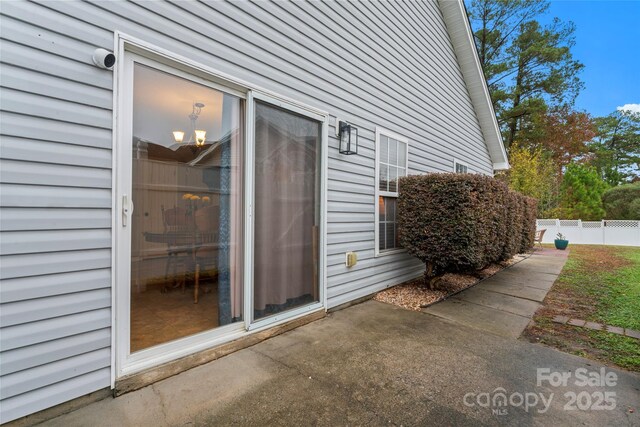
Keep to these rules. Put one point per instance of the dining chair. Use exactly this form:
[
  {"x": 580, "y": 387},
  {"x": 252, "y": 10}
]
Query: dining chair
[
  {"x": 207, "y": 220},
  {"x": 179, "y": 233}
]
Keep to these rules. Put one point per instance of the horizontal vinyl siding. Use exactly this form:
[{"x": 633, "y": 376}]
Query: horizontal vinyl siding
[
  {"x": 396, "y": 69},
  {"x": 53, "y": 285},
  {"x": 17, "y": 219},
  {"x": 37, "y": 151},
  {"x": 44, "y": 375},
  {"x": 53, "y": 394},
  {"x": 55, "y": 193}
]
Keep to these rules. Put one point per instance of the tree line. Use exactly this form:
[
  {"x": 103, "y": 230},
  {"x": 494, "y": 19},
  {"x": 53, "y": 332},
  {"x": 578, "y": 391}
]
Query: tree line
[{"x": 576, "y": 165}]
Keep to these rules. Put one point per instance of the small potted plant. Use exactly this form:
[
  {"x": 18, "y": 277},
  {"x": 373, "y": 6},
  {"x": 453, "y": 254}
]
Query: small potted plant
[{"x": 561, "y": 242}]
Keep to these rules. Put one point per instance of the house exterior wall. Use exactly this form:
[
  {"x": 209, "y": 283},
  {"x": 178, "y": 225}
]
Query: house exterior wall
[{"x": 395, "y": 69}]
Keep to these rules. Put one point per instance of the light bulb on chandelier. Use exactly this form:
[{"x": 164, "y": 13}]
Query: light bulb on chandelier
[
  {"x": 196, "y": 136},
  {"x": 200, "y": 137},
  {"x": 178, "y": 136}
]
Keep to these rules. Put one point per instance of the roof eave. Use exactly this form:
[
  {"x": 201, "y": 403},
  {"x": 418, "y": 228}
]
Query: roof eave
[{"x": 455, "y": 18}]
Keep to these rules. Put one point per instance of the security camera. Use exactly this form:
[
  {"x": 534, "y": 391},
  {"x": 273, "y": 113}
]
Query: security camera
[{"x": 103, "y": 58}]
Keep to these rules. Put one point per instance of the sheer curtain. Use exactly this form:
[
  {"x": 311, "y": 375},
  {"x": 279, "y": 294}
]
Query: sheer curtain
[
  {"x": 286, "y": 210},
  {"x": 230, "y": 229}
]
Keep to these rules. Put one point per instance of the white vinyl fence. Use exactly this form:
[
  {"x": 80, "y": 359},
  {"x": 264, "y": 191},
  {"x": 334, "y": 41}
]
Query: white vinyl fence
[{"x": 605, "y": 232}]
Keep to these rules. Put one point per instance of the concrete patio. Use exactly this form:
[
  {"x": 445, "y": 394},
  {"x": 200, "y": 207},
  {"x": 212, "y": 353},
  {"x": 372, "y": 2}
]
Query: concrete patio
[{"x": 377, "y": 364}]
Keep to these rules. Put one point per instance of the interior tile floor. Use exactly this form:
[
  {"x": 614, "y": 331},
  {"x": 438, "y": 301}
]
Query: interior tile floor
[{"x": 158, "y": 317}]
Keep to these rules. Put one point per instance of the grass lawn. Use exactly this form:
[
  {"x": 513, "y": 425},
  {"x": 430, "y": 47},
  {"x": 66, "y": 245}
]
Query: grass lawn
[{"x": 601, "y": 284}]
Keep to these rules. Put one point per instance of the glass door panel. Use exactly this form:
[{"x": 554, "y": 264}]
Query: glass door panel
[
  {"x": 287, "y": 210},
  {"x": 186, "y": 253}
]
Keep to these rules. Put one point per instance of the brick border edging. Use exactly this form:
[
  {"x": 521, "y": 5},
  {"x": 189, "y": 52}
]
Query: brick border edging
[{"x": 566, "y": 320}]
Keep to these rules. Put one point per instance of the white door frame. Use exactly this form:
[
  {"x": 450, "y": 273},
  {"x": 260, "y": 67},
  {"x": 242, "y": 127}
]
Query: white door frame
[
  {"x": 129, "y": 50},
  {"x": 323, "y": 118}
]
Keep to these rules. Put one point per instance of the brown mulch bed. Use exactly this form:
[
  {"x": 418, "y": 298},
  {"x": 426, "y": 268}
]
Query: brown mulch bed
[{"x": 414, "y": 295}]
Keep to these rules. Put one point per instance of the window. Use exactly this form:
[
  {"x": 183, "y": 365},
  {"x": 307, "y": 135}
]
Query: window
[
  {"x": 391, "y": 164},
  {"x": 460, "y": 167}
]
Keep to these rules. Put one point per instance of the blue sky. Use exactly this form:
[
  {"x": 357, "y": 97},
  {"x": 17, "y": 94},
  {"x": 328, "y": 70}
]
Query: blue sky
[{"x": 608, "y": 44}]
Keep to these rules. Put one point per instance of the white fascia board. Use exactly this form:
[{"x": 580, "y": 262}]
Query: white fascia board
[
  {"x": 457, "y": 23},
  {"x": 500, "y": 166}
]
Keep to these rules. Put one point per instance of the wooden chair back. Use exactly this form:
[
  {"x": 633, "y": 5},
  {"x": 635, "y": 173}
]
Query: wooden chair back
[
  {"x": 177, "y": 220},
  {"x": 207, "y": 219},
  {"x": 539, "y": 236}
]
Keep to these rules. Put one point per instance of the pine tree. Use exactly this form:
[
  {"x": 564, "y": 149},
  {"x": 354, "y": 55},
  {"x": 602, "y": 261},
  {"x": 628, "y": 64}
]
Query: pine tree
[
  {"x": 581, "y": 193},
  {"x": 616, "y": 148},
  {"x": 528, "y": 67}
]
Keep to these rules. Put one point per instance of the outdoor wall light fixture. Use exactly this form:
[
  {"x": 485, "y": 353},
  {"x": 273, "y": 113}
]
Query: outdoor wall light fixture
[
  {"x": 348, "y": 135},
  {"x": 196, "y": 136}
]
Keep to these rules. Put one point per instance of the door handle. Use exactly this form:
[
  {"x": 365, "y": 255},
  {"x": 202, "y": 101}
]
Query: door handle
[{"x": 127, "y": 209}]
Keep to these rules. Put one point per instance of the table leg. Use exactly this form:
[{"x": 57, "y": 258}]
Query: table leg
[{"x": 196, "y": 287}]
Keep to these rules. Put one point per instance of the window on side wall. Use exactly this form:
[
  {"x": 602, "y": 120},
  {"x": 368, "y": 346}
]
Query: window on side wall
[
  {"x": 460, "y": 167},
  {"x": 391, "y": 164}
]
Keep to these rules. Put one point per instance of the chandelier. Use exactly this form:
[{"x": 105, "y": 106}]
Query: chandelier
[{"x": 196, "y": 136}]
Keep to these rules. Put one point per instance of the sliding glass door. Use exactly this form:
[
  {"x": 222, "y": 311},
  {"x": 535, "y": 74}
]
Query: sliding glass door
[
  {"x": 287, "y": 210},
  {"x": 186, "y": 229},
  {"x": 219, "y": 227}
]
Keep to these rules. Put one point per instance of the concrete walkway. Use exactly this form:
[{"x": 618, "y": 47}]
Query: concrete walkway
[{"x": 504, "y": 303}]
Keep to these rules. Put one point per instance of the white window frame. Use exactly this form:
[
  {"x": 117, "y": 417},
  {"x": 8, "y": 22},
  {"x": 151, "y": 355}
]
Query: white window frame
[
  {"x": 124, "y": 363},
  {"x": 457, "y": 162},
  {"x": 383, "y": 132}
]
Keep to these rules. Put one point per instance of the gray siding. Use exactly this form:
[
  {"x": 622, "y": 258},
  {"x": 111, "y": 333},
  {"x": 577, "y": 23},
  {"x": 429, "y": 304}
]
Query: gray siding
[{"x": 399, "y": 72}]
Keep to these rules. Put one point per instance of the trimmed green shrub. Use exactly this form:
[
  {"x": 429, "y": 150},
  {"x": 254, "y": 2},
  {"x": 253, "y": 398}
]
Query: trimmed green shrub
[
  {"x": 622, "y": 202},
  {"x": 462, "y": 222}
]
